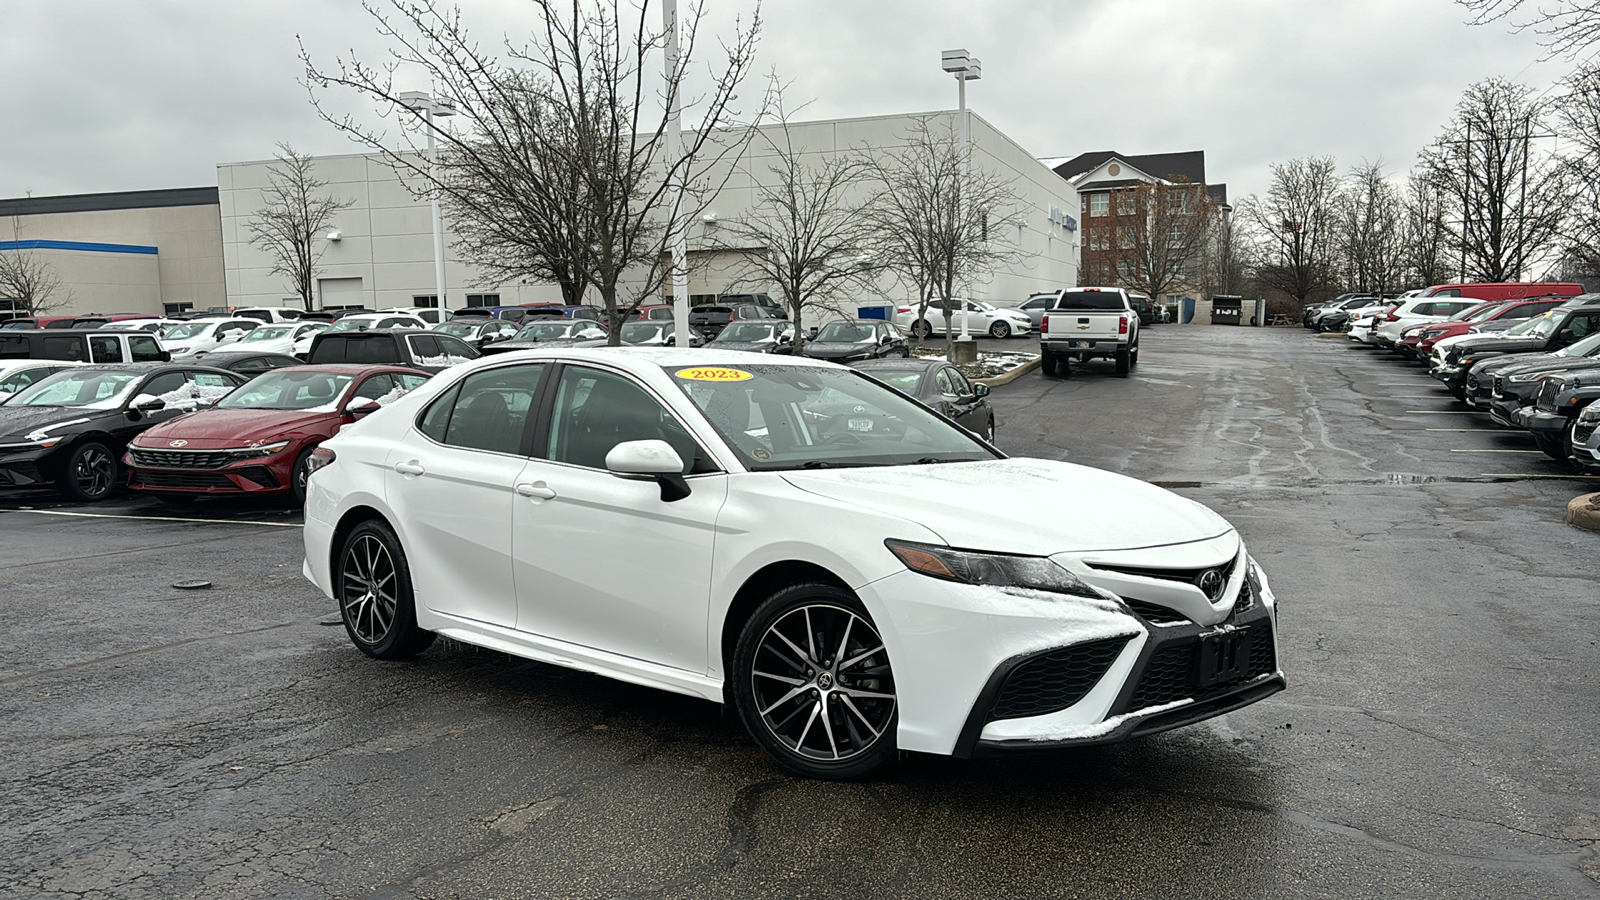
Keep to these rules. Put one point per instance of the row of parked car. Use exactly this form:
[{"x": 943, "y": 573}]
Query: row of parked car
[{"x": 1531, "y": 361}]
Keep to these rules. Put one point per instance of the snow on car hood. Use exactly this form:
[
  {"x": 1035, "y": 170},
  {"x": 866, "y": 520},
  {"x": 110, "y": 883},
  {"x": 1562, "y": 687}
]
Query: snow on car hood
[
  {"x": 211, "y": 429},
  {"x": 1030, "y": 506}
]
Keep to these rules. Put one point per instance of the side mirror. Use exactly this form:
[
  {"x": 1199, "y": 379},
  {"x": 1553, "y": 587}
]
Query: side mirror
[
  {"x": 653, "y": 459},
  {"x": 980, "y": 390},
  {"x": 886, "y": 339},
  {"x": 785, "y": 338},
  {"x": 361, "y": 406},
  {"x": 148, "y": 403}
]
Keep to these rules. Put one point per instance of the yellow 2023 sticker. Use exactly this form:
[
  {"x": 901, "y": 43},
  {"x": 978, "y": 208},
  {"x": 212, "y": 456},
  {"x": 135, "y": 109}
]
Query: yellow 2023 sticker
[{"x": 713, "y": 373}]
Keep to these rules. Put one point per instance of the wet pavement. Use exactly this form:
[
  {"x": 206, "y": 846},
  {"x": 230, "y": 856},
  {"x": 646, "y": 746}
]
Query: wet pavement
[{"x": 1438, "y": 738}]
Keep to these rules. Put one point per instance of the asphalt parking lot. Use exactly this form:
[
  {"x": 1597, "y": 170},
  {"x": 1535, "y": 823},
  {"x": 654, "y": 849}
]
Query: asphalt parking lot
[{"x": 1437, "y": 738}]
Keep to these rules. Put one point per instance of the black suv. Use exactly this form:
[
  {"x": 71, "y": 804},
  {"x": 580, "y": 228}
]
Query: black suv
[
  {"x": 429, "y": 351},
  {"x": 710, "y": 319}
]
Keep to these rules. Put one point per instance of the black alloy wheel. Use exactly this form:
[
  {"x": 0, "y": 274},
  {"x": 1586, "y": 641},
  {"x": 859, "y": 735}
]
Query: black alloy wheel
[
  {"x": 373, "y": 585},
  {"x": 921, "y": 328},
  {"x": 812, "y": 681},
  {"x": 989, "y": 432},
  {"x": 91, "y": 472},
  {"x": 1000, "y": 330},
  {"x": 299, "y": 475}
]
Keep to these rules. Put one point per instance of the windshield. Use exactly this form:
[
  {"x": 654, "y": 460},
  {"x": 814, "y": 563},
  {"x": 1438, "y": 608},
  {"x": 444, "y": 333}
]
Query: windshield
[
  {"x": 459, "y": 329},
  {"x": 268, "y": 333},
  {"x": 1586, "y": 347},
  {"x": 845, "y": 333},
  {"x": 746, "y": 333},
  {"x": 1090, "y": 300},
  {"x": 349, "y": 324},
  {"x": 548, "y": 331},
  {"x": 789, "y": 417},
  {"x": 185, "y": 332},
  {"x": 646, "y": 332},
  {"x": 89, "y": 390},
  {"x": 1476, "y": 313},
  {"x": 288, "y": 390},
  {"x": 1528, "y": 325},
  {"x": 905, "y": 382}
]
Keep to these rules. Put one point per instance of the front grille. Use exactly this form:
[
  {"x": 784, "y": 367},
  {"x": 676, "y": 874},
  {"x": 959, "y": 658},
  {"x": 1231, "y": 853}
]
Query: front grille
[
  {"x": 1246, "y": 600},
  {"x": 190, "y": 480},
  {"x": 1547, "y": 393},
  {"x": 1154, "y": 614},
  {"x": 1170, "y": 675},
  {"x": 183, "y": 459},
  {"x": 1187, "y": 576},
  {"x": 1055, "y": 680},
  {"x": 1499, "y": 389},
  {"x": 1581, "y": 433}
]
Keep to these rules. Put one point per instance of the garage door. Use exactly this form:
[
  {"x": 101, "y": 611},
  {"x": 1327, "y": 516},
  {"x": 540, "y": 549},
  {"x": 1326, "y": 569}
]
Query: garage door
[{"x": 339, "y": 292}]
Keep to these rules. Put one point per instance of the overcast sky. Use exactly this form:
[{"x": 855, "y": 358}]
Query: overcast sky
[{"x": 111, "y": 95}]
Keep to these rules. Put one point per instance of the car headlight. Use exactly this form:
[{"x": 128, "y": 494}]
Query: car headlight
[
  {"x": 1590, "y": 415},
  {"x": 1526, "y": 377},
  {"x": 1036, "y": 573}
]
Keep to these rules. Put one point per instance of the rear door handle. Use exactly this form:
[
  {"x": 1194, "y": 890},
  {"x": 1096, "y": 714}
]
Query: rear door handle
[
  {"x": 537, "y": 490},
  {"x": 409, "y": 468}
]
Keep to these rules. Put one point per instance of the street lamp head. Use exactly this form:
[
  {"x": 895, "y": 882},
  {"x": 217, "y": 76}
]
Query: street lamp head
[
  {"x": 421, "y": 101},
  {"x": 954, "y": 60},
  {"x": 973, "y": 71}
]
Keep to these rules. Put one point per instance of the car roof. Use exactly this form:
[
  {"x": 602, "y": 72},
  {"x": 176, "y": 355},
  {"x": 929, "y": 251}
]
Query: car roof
[
  {"x": 230, "y": 355},
  {"x": 150, "y": 367},
  {"x": 911, "y": 363},
  {"x": 643, "y": 359},
  {"x": 351, "y": 368}
]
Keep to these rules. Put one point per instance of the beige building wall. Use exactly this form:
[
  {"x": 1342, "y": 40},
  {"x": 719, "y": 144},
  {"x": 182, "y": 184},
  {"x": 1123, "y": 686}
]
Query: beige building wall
[
  {"x": 106, "y": 282},
  {"x": 188, "y": 264},
  {"x": 384, "y": 250}
]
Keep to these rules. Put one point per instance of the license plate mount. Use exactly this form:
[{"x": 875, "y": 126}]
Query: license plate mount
[
  {"x": 860, "y": 425},
  {"x": 1224, "y": 658},
  {"x": 1079, "y": 345}
]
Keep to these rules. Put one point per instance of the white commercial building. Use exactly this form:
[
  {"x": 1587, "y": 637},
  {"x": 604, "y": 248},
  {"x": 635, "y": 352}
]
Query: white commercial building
[{"x": 379, "y": 253}]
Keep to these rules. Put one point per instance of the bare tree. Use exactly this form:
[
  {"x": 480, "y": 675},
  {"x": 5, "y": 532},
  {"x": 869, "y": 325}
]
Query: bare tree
[
  {"x": 1425, "y": 236},
  {"x": 1371, "y": 230},
  {"x": 1165, "y": 231},
  {"x": 1296, "y": 227},
  {"x": 804, "y": 233},
  {"x": 1228, "y": 256},
  {"x": 1565, "y": 26},
  {"x": 1578, "y": 111},
  {"x": 1509, "y": 201},
  {"x": 936, "y": 218},
  {"x": 563, "y": 169},
  {"x": 29, "y": 284},
  {"x": 295, "y": 213}
]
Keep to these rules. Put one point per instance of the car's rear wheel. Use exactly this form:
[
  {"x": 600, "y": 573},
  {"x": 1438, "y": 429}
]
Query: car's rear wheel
[
  {"x": 1000, "y": 330},
  {"x": 1124, "y": 361},
  {"x": 812, "y": 681},
  {"x": 373, "y": 585},
  {"x": 91, "y": 472},
  {"x": 1047, "y": 363}
]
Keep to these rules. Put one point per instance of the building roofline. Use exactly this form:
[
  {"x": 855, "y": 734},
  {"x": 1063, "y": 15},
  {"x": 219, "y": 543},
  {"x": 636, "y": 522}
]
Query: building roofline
[{"x": 74, "y": 203}]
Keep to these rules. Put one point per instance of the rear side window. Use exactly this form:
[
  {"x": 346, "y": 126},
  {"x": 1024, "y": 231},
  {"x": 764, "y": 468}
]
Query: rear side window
[
  {"x": 15, "y": 347},
  {"x": 105, "y": 350},
  {"x": 1090, "y": 300},
  {"x": 488, "y": 411},
  {"x": 378, "y": 348},
  {"x": 143, "y": 348},
  {"x": 69, "y": 348},
  {"x": 1448, "y": 292}
]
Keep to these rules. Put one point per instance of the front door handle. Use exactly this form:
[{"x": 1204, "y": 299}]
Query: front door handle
[
  {"x": 537, "y": 490},
  {"x": 409, "y": 468}
]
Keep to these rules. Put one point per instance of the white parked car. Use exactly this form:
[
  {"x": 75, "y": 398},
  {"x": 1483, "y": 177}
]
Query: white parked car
[
  {"x": 288, "y": 338},
  {"x": 270, "y": 314},
  {"x": 154, "y": 325},
  {"x": 1416, "y": 311},
  {"x": 369, "y": 321},
  {"x": 983, "y": 318},
  {"x": 855, "y": 574},
  {"x": 428, "y": 314},
  {"x": 202, "y": 335}
]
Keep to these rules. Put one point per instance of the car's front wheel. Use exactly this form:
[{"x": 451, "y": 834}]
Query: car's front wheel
[
  {"x": 373, "y": 584},
  {"x": 91, "y": 472},
  {"x": 299, "y": 476},
  {"x": 1000, "y": 330},
  {"x": 812, "y": 681}
]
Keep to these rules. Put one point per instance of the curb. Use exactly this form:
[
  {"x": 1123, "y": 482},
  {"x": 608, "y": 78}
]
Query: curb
[
  {"x": 1013, "y": 375},
  {"x": 1584, "y": 512}
]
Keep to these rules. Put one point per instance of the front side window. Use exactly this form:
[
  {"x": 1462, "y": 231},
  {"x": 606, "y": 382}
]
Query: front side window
[
  {"x": 596, "y": 410},
  {"x": 488, "y": 411},
  {"x": 780, "y": 417},
  {"x": 377, "y": 388},
  {"x": 946, "y": 386},
  {"x": 143, "y": 348},
  {"x": 68, "y": 348}
]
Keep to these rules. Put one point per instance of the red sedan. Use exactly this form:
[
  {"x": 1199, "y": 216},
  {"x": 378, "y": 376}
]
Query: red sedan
[
  {"x": 1499, "y": 311},
  {"x": 257, "y": 439}
]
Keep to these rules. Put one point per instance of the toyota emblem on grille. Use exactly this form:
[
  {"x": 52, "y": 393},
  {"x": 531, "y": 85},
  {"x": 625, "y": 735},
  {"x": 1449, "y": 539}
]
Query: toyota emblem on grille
[
  {"x": 177, "y": 443},
  {"x": 1210, "y": 583}
]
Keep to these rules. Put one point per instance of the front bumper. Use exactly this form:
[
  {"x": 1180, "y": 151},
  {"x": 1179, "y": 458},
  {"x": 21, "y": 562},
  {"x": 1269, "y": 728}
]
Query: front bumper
[
  {"x": 1541, "y": 421},
  {"x": 26, "y": 467},
  {"x": 1505, "y": 408},
  {"x": 253, "y": 475}
]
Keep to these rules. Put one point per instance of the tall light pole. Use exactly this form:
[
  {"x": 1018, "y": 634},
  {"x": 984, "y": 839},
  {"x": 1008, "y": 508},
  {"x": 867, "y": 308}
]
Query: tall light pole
[
  {"x": 965, "y": 68},
  {"x": 430, "y": 107},
  {"x": 680, "y": 250}
]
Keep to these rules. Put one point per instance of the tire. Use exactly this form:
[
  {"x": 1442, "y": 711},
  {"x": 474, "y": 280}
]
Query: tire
[
  {"x": 905, "y": 353},
  {"x": 298, "y": 475},
  {"x": 90, "y": 473},
  {"x": 1000, "y": 330},
  {"x": 1569, "y": 447},
  {"x": 1133, "y": 356},
  {"x": 817, "y": 711},
  {"x": 921, "y": 328},
  {"x": 1047, "y": 363},
  {"x": 382, "y": 623},
  {"x": 989, "y": 436},
  {"x": 1554, "y": 447},
  {"x": 1124, "y": 361}
]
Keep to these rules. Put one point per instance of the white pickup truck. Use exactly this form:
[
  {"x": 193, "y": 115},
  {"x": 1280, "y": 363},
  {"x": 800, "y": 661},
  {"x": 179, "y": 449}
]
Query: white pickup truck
[{"x": 1089, "y": 323}]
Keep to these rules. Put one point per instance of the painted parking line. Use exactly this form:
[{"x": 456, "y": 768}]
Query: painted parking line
[
  {"x": 84, "y": 515},
  {"x": 1484, "y": 430},
  {"x": 1528, "y": 475},
  {"x": 1445, "y": 412},
  {"x": 1411, "y": 397},
  {"x": 1496, "y": 451}
]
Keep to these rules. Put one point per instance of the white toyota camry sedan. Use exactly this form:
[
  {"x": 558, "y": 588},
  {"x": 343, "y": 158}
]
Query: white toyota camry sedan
[{"x": 856, "y": 574}]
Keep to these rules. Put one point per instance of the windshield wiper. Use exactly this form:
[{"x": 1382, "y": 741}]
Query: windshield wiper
[{"x": 930, "y": 460}]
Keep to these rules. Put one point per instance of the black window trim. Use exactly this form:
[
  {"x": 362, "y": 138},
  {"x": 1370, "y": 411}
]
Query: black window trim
[
  {"x": 454, "y": 392},
  {"x": 546, "y": 406}
]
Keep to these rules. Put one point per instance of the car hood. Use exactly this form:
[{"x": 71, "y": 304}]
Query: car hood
[
  {"x": 17, "y": 421},
  {"x": 1030, "y": 506},
  {"x": 209, "y": 429},
  {"x": 832, "y": 350},
  {"x": 1536, "y": 362},
  {"x": 1496, "y": 343}
]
